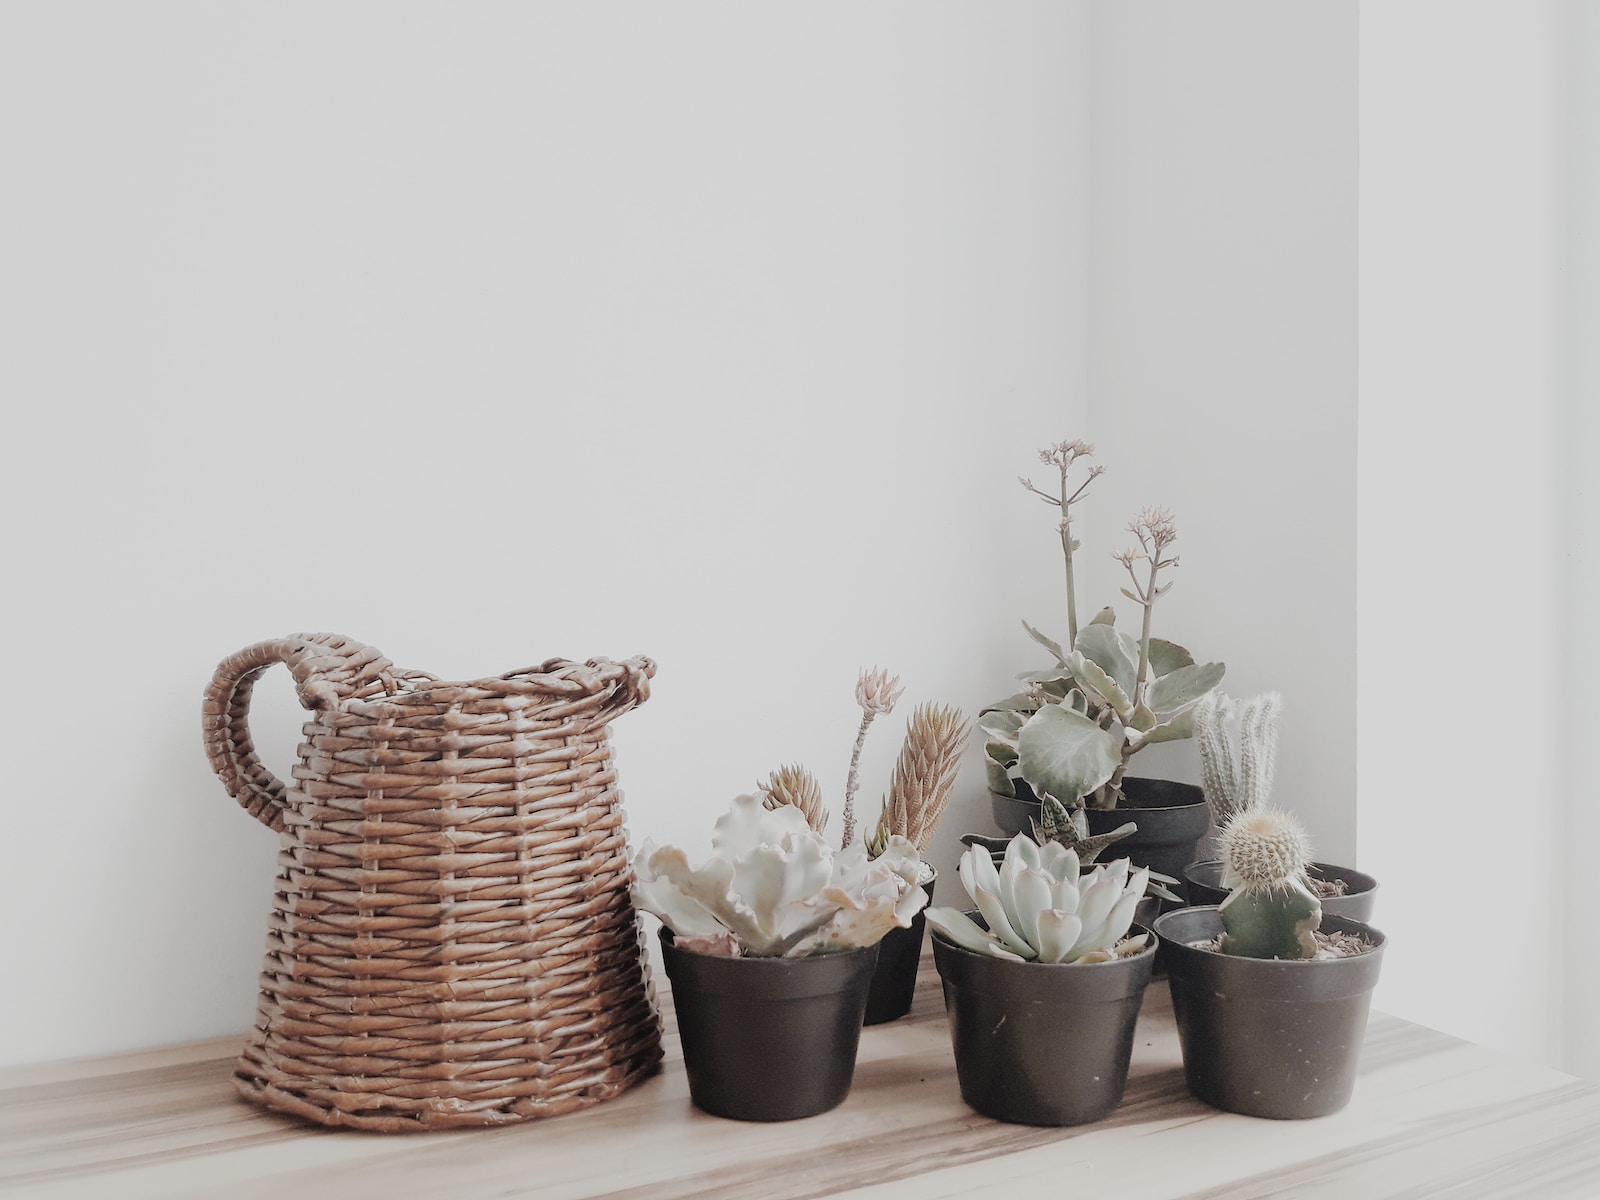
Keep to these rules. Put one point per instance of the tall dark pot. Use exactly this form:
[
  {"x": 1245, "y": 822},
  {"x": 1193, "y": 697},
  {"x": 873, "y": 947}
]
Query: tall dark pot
[
  {"x": 1268, "y": 1037},
  {"x": 1203, "y": 881},
  {"x": 1041, "y": 1043},
  {"x": 894, "y": 982},
  {"x": 769, "y": 1039},
  {"x": 1172, "y": 818}
]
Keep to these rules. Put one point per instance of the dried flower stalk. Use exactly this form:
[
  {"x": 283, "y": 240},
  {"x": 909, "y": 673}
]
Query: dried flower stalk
[{"x": 876, "y": 693}]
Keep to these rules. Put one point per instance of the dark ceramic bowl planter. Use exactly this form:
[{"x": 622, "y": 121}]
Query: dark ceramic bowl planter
[
  {"x": 1203, "y": 882},
  {"x": 1268, "y": 1037},
  {"x": 769, "y": 1039},
  {"x": 1041, "y": 1043},
  {"x": 1172, "y": 818},
  {"x": 894, "y": 981}
]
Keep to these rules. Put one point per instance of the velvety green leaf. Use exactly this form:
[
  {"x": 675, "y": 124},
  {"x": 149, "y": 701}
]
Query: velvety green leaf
[
  {"x": 1048, "y": 675},
  {"x": 1175, "y": 730},
  {"x": 1000, "y": 752},
  {"x": 1106, "y": 616},
  {"x": 1002, "y": 724},
  {"x": 1021, "y": 702},
  {"x": 1065, "y": 754},
  {"x": 1097, "y": 683},
  {"x": 998, "y": 778},
  {"x": 1057, "y": 690},
  {"x": 1183, "y": 687},
  {"x": 1115, "y": 653},
  {"x": 1141, "y": 719},
  {"x": 1166, "y": 657},
  {"x": 1052, "y": 646}
]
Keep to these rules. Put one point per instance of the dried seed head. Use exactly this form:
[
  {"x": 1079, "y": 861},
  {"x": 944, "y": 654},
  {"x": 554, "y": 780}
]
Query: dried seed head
[{"x": 877, "y": 691}]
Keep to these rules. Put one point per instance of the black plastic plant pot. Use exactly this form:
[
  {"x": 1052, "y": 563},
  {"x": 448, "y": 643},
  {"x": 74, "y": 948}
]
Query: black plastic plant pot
[
  {"x": 894, "y": 981},
  {"x": 1268, "y": 1037},
  {"x": 1041, "y": 1043},
  {"x": 1172, "y": 818},
  {"x": 769, "y": 1039},
  {"x": 1203, "y": 882}
]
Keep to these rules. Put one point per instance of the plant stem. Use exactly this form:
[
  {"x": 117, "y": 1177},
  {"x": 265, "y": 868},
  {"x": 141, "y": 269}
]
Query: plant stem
[
  {"x": 1066, "y": 553},
  {"x": 853, "y": 782},
  {"x": 1148, "y": 600}
]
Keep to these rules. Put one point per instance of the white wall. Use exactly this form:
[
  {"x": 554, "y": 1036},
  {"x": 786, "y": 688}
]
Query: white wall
[
  {"x": 1223, "y": 351},
  {"x": 710, "y": 331},
  {"x": 1579, "y": 34},
  {"x": 1461, "y": 775}
]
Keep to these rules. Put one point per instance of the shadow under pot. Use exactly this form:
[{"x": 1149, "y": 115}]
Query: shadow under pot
[
  {"x": 894, "y": 981},
  {"x": 1172, "y": 818},
  {"x": 1203, "y": 882},
  {"x": 1267, "y": 1037},
  {"x": 768, "y": 1039},
  {"x": 1041, "y": 1043}
]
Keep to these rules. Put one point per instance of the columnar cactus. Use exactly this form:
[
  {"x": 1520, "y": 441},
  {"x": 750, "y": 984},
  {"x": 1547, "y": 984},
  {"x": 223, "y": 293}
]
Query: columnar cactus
[
  {"x": 1270, "y": 911},
  {"x": 1237, "y": 782}
]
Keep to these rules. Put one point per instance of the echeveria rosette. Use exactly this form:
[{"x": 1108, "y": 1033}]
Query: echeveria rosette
[
  {"x": 773, "y": 888},
  {"x": 1041, "y": 907}
]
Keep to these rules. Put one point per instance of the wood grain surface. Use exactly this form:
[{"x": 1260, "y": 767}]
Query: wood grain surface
[{"x": 1432, "y": 1117}]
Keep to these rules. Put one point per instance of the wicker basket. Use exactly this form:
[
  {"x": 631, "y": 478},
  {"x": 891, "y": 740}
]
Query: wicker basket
[{"x": 452, "y": 940}]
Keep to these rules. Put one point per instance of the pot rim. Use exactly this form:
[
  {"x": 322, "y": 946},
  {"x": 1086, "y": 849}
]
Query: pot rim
[
  {"x": 1330, "y": 923},
  {"x": 1325, "y": 870}
]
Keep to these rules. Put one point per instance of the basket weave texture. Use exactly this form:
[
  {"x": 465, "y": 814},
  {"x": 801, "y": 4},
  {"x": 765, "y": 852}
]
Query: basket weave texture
[{"x": 452, "y": 941}]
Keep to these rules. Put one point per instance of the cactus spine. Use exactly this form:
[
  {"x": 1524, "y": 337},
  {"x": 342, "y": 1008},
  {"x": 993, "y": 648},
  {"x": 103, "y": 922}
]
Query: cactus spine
[{"x": 1271, "y": 911}]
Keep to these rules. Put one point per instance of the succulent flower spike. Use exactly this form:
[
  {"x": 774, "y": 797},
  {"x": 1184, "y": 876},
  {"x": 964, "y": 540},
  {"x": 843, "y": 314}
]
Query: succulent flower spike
[{"x": 1270, "y": 911}]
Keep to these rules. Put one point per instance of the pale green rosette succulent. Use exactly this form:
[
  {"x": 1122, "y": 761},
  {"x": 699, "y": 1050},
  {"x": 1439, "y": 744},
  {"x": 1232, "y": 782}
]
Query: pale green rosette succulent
[
  {"x": 773, "y": 888},
  {"x": 1040, "y": 907}
]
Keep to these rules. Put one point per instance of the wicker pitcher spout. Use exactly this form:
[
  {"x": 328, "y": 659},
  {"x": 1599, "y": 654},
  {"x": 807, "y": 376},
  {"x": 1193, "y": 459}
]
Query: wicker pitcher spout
[{"x": 452, "y": 941}]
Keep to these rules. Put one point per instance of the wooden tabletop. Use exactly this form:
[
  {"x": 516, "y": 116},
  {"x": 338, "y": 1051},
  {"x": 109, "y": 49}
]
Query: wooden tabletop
[{"x": 1432, "y": 1117}]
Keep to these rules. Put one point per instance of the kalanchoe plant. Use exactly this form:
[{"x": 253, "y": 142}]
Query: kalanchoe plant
[
  {"x": 1040, "y": 907},
  {"x": 774, "y": 888},
  {"x": 1071, "y": 730},
  {"x": 1270, "y": 911}
]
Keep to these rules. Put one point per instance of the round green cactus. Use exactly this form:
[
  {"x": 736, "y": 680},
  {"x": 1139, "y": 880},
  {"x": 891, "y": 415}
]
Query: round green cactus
[{"x": 1270, "y": 911}]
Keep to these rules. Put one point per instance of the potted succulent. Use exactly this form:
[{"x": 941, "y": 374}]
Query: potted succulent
[
  {"x": 1238, "y": 743},
  {"x": 1270, "y": 995},
  {"x": 770, "y": 947},
  {"x": 1043, "y": 995},
  {"x": 1072, "y": 730},
  {"x": 919, "y": 791}
]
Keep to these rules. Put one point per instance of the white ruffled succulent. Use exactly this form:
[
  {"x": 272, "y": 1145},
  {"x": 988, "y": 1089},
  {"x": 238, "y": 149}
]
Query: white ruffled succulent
[
  {"x": 1040, "y": 907},
  {"x": 772, "y": 887}
]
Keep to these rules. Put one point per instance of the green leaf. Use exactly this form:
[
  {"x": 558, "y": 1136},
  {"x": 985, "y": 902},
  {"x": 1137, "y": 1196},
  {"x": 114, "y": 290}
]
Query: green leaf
[
  {"x": 1106, "y": 616},
  {"x": 1021, "y": 702},
  {"x": 1091, "y": 678},
  {"x": 1057, "y": 690},
  {"x": 1183, "y": 687},
  {"x": 1141, "y": 719},
  {"x": 999, "y": 778},
  {"x": 1065, "y": 754},
  {"x": 1052, "y": 646},
  {"x": 1175, "y": 730},
  {"x": 1001, "y": 752},
  {"x": 1166, "y": 657},
  {"x": 1115, "y": 653},
  {"x": 1002, "y": 724},
  {"x": 1048, "y": 675}
]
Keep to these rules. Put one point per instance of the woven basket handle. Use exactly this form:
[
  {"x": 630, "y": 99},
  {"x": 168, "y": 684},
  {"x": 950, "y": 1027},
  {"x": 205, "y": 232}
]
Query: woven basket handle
[{"x": 327, "y": 668}]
